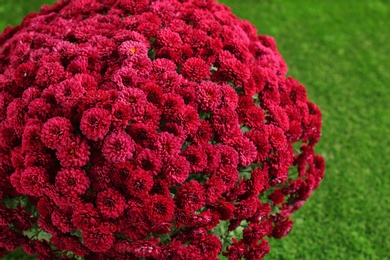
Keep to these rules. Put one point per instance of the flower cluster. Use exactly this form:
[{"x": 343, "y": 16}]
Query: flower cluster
[{"x": 153, "y": 129}]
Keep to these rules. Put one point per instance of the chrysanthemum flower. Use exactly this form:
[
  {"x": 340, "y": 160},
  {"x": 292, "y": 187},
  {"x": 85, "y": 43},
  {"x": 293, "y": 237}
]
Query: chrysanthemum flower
[
  {"x": 160, "y": 208},
  {"x": 130, "y": 129},
  {"x": 176, "y": 169},
  {"x": 95, "y": 123},
  {"x": 85, "y": 217},
  {"x": 98, "y": 239},
  {"x": 62, "y": 221},
  {"x": 110, "y": 203},
  {"x": 195, "y": 69},
  {"x": 34, "y": 180},
  {"x": 149, "y": 161},
  {"x": 118, "y": 147},
  {"x": 196, "y": 157},
  {"x": 209, "y": 96},
  {"x": 72, "y": 181},
  {"x": 139, "y": 183},
  {"x": 56, "y": 131},
  {"x": 74, "y": 152},
  {"x": 132, "y": 48}
]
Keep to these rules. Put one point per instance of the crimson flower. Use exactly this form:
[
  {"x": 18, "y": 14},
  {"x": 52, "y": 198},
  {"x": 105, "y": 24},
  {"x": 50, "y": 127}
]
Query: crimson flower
[{"x": 149, "y": 129}]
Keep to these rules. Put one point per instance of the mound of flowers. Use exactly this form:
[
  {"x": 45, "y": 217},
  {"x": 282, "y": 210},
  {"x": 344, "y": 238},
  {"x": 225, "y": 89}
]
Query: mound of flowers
[{"x": 149, "y": 129}]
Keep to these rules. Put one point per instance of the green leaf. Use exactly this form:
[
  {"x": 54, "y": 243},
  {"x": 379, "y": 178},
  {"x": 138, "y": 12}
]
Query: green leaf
[
  {"x": 212, "y": 69},
  {"x": 152, "y": 54},
  {"x": 32, "y": 233},
  {"x": 221, "y": 229},
  {"x": 246, "y": 175},
  {"x": 245, "y": 129},
  {"x": 11, "y": 203},
  {"x": 76, "y": 233},
  {"x": 204, "y": 115},
  {"x": 42, "y": 235}
]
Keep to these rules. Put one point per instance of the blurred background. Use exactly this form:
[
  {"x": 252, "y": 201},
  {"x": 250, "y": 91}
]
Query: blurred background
[{"x": 340, "y": 51}]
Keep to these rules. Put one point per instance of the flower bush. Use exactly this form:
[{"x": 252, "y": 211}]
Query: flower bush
[{"x": 149, "y": 129}]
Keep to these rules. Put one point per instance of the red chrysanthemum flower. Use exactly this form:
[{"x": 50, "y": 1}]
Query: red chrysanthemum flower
[
  {"x": 34, "y": 180},
  {"x": 196, "y": 157},
  {"x": 118, "y": 147},
  {"x": 225, "y": 122},
  {"x": 167, "y": 144},
  {"x": 149, "y": 161},
  {"x": 74, "y": 152},
  {"x": 24, "y": 74},
  {"x": 246, "y": 151},
  {"x": 69, "y": 92},
  {"x": 85, "y": 217},
  {"x": 72, "y": 181},
  {"x": 176, "y": 169},
  {"x": 95, "y": 123},
  {"x": 69, "y": 243},
  {"x": 31, "y": 138},
  {"x": 98, "y": 239},
  {"x": 143, "y": 119},
  {"x": 209, "y": 96},
  {"x": 282, "y": 228},
  {"x": 195, "y": 69},
  {"x": 110, "y": 203},
  {"x": 258, "y": 251},
  {"x": 191, "y": 196},
  {"x": 145, "y": 248},
  {"x": 160, "y": 208},
  {"x": 276, "y": 137},
  {"x": 139, "y": 183},
  {"x": 277, "y": 196},
  {"x": 56, "y": 131},
  {"x": 142, "y": 134},
  {"x": 120, "y": 115},
  {"x": 132, "y": 48},
  {"x": 62, "y": 221},
  {"x": 188, "y": 118},
  {"x": 176, "y": 130},
  {"x": 229, "y": 156},
  {"x": 160, "y": 187}
]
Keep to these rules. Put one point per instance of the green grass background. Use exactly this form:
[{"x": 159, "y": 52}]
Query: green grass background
[{"x": 340, "y": 50}]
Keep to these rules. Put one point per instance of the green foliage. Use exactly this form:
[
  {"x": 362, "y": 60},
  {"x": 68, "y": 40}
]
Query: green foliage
[{"x": 36, "y": 233}]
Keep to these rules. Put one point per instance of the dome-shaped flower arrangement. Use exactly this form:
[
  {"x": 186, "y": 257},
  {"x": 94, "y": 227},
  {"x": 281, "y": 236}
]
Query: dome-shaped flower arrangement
[{"x": 149, "y": 129}]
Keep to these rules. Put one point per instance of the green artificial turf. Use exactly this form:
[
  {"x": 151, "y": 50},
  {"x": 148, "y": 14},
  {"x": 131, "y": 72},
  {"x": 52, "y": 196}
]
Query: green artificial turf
[{"x": 339, "y": 50}]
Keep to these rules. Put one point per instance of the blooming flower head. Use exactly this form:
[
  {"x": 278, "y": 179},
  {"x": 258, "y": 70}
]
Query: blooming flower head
[
  {"x": 132, "y": 48},
  {"x": 195, "y": 69},
  {"x": 95, "y": 123},
  {"x": 74, "y": 152},
  {"x": 72, "y": 181},
  {"x": 118, "y": 147},
  {"x": 209, "y": 96},
  {"x": 98, "y": 239},
  {"x": 176, "y": 169},
  {"x": 85, "y": 217},
  {"x": 139, "y": 183},
  {"x": 160, "y": 208},
  {"x": 167, "y": 144},
  {"x": 197, "y": 158},
  {"x": 149, "y": 161},
  {"x": 191, "y": 196},
  {"x": 56, "y": 131},
  {"x": 69, "y": 92},
  {"x": 110, "y": 203},
  {"x": 34, "y": 180}
]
